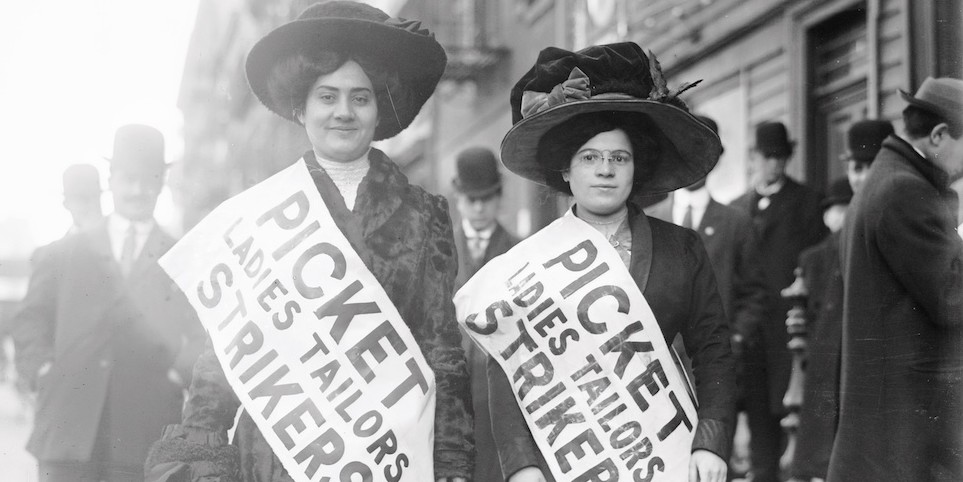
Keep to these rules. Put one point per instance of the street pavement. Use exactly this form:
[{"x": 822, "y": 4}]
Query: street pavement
[{"x": 15, "y": 422}]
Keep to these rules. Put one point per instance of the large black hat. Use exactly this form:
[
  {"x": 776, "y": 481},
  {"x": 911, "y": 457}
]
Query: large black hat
[
  {"x": 865, "y": 138},
  {"x": 564, "y": 84},
  {"x": 396, "y": 44},
  {"x": 477, "y": 172},
  {"x": 772, "y": 140},
  {"x": 840, "y": 192},
  {"x": 138, "y": 148}
]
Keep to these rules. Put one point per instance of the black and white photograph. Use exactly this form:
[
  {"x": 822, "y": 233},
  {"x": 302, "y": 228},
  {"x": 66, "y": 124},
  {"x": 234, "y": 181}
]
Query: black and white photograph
[{"x": 481, "y": 241}]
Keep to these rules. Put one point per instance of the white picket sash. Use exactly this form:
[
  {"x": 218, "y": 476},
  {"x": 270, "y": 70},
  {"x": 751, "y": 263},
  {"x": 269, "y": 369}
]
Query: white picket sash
[
  {"x": 307, "y": 337},
  {"x": 586, "y": 359}
]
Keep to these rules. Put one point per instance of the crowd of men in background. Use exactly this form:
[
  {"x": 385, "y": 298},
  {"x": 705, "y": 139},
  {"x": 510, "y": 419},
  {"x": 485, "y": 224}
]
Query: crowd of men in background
[{"x": 108, "y": 342}]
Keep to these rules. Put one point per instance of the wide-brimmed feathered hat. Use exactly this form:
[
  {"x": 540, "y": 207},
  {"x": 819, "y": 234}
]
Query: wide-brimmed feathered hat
[
  {"x": 564, "y": 84},
  {"x": 395, "y": 44}
]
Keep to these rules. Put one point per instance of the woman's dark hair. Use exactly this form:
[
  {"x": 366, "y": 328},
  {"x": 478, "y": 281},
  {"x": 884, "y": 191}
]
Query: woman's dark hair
[
  {"x": 291, "y": 79},
  {"x": 920, "y": 122},
  {"x": 557, "y": 147}
]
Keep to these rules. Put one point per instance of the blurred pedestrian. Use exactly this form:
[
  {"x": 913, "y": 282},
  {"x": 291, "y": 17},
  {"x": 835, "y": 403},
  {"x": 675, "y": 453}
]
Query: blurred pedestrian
[
  {"x": 787, "y": 219},
  {"x": 82, "y": 192},
  {"x": 822, "y": 276},
  {"x": 864, "y": 139},
  {"x": 479, "y": 238},
  {"x": 824, "y": 284},
  {"x": 595, "y": 125},
  {"x": 82, "y": 196},
  {"x": 901, "y": 385},
  {"x": 732, "y": 245},
  {"x": 103, "y": 334},
  {"x": 348, "y": 74}
]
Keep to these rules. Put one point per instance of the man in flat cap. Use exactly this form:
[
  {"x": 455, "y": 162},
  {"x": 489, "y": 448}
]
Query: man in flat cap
[
  {"x": 479, "y": 238},
  {"x": 901, "y": 373},
  {"x": 103, "y": 334},
  {"x": 787, "y": 219}
]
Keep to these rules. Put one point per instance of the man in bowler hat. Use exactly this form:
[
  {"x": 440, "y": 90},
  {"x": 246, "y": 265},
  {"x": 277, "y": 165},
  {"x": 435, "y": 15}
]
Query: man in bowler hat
[
  {"x": 104, "y": 335},
  {"x": 82, "y": 196},
  {"x": 864, "y": 139},
  {"x": 732, "y": 246},
  {"x": 901, "y": 369},
  {"x": 822, "y": 275},
  {"x": 479, "y": 238},
  {"x": 787, "y": 219}
]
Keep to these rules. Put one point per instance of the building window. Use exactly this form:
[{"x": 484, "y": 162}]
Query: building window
[{"x": 838, "y": 59}]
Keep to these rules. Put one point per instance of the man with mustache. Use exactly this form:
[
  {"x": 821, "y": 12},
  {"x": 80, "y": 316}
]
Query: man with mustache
[{"x": 103, "y": 334}]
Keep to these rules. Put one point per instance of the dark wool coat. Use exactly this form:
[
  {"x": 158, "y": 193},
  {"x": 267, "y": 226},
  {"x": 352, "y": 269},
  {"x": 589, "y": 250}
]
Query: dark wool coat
[
  {"x": 111, "y": 342},
  {"x": 731, "y": 244},
  {"x": 901, "y": 406},
  {"x": 817, "y": 418},
  {"x": 671, "y": 268},
  {"x": 404, "y": 236},
  {"x": 486, "y": 455},
  {"x": 792, "y": 222}
]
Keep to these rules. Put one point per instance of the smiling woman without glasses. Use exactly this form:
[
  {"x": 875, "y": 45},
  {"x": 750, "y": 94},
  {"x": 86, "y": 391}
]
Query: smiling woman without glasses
[
  {"x": 350, "y": 75},
  {"x": 600, "y": 125}
]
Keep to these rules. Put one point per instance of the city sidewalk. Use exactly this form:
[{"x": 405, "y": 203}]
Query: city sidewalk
[{"x": 15, "y": 422}]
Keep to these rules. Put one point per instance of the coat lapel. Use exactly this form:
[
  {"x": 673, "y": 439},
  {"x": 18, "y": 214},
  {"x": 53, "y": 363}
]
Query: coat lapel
[
  {"x": 711, "y": 218},
  {"x": 156, "y": 245},
  {"x": 94, "y": 277},
  {"x": 641, "y": 259},
  {"x": 497, "y": 245},
  {"x": 379, "y": 195}
]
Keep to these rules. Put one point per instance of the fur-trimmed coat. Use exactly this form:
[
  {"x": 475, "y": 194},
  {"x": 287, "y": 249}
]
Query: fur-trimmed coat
[{"x": 404, "y": 237}]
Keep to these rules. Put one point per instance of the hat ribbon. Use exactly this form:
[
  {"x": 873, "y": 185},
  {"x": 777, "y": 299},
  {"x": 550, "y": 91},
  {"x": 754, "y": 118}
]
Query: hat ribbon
[
  {"x": 576, "y": 87},
  {"x": 413, "y": 26}
]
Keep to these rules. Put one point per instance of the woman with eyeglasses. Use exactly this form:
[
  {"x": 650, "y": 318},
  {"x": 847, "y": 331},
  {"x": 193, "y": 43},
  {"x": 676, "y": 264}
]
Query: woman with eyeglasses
[{"x": 600, "y": 125}]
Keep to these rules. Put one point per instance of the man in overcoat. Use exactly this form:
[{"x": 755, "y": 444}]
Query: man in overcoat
[
  {"x": 731, "y": 243},
  {"x": 103, "y": 334},
  {"x": 787, "y": 219},
  {"x": 901, "y": 406},
  {"x": 479, "y": 238},
  {"x": 823, "y": 278}
]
